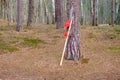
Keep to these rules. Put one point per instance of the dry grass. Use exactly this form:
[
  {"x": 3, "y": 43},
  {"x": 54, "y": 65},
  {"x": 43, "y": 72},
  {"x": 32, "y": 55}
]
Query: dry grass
[{"x": 40, "y": 49}]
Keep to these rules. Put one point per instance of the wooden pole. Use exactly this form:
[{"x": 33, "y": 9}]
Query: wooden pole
[{"x": 65, "y": 44}]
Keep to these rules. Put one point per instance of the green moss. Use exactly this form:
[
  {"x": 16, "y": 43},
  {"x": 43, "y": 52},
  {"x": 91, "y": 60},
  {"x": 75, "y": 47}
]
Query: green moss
[
  {"x": 91, "y": 35},
  {"x": 112, "y": 36},
  {"x": 117, "y": 31},
  {"x": 0, "y": 34},
  {"x": 7, "y": 47},
  {"x": 26, "y": 30},
  {"x": 56, "y": 37},
  {"x": 114, "y": 48},
  {"x": 32, "y": 42},
  {"x": 85, "y": 60}
]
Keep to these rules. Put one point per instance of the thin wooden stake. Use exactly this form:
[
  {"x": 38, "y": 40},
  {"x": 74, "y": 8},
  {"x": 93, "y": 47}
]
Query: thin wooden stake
[{"x": 65, "y": 44}]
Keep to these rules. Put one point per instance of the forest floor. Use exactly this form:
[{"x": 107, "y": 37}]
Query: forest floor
[{"x": 35, "y": 53}]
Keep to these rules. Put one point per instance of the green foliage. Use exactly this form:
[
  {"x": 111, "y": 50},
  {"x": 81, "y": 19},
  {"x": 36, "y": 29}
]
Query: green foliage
[
  {"x": 7, "y": 47},
  {"x": 114, "y": 48},
  {"x": 32, "y": 42}
]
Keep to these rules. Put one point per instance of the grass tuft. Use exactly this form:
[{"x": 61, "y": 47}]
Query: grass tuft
[
  {"x": 85, "y": 60},
  {"x": 56, "y": 37},
  {"x": 32, "y": 42},
  {"x": 117, "y": 31},
  {"x": 113, "y": 48},
  {"x": 112, "y": 36},
  {"x": 91, "y": 35},
  {"x": 7, "y": 47},
  {"x": 1, "y": 34}
]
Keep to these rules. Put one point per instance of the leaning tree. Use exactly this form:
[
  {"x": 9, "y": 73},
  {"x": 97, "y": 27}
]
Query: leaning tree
[{"x": 73, "y": 45}]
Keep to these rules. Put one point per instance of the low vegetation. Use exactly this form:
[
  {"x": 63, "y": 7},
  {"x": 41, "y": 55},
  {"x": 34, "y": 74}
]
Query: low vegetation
[
  {"x": 31, "y": 42},
  {"x": 7, "y": 47}
]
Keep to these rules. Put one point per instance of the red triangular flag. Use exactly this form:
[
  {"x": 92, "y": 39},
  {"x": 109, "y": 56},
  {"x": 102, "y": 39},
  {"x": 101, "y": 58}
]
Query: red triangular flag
[
  {"x": 66, "y": 34},
  {"x": 67, "y": 24}
]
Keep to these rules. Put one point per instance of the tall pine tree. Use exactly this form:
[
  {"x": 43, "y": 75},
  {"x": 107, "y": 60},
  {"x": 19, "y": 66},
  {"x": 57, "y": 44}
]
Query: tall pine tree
[
  {"x": 30, "y": 13},
  {"x": 73, "y": 45},
  {"x": 19, "y": 26},
  {"x": 58, "y": 14}
]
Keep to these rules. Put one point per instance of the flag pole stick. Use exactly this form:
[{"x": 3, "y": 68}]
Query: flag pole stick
[{"x": 65, "y": 44}]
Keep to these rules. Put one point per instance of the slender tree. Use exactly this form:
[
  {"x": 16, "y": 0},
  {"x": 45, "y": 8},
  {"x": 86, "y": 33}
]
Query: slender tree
[
  {"x": 19, "y": 15},
  {"x": 73, "y": 45},
  {"x": 94, "y": 13},
  {"x": 30, "y": 13},
  {"x": 113, "y": 13},
  {"x": 118, "y": 15},
  {"x": 58, "y": 14}
]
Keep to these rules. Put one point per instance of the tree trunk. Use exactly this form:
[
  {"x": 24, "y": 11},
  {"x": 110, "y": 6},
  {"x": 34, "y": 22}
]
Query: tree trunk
[
  {"x": 112, "y": 19},
  {"x": 118, "y": 15},
  {"x": 73, "y": 45},
  {"x": 19, "y": 15},
  {"x": 58, "y": 14},
  {"x": 30, "y": 13},
  {"x": 94, "y": 13}
]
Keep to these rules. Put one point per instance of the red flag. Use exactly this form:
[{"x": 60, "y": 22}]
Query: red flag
[
  {"x": 66, "y": 34},
  {"x": 67, "y": 24}
]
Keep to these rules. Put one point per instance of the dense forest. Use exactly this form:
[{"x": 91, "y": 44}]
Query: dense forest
[{"x": 44, "y": 11}]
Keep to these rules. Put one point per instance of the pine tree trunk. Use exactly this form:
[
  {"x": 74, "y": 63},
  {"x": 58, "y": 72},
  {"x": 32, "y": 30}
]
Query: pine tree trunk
[
  {"x": 112, "y": 19},
  {"x": 3, "y": 9},
  {"x": 73, "y": 45},
  {"x": 118, "y": 15},
  {"x": 94, "y": 13},
  {"x": 58, "y": 14},
  {"x": 30, "y": 13},
  {"x": 19, "y": 15}
]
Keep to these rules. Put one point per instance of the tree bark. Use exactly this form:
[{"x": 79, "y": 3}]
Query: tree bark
[
  {"x": 58, "y": 14},
  {"x": 19, "y": 15},
  {"x": 73, "y": 45},
  {"x": 94, "y": 13},
  {"x": 118, "y": 15},
  {"x": 30, "y": 13},
  {"x": 113, "y": 13}
]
